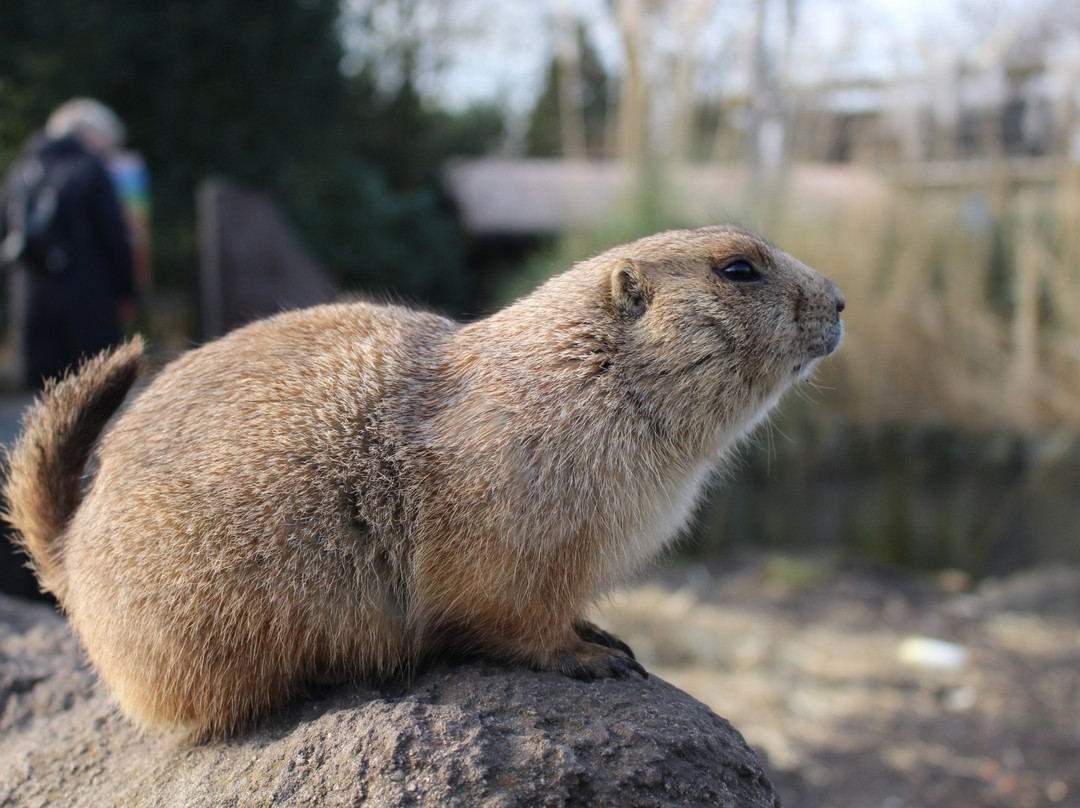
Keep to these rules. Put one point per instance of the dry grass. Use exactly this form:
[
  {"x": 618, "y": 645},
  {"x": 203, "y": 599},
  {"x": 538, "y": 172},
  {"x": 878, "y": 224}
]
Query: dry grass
[{"x": 964, "y": 305}]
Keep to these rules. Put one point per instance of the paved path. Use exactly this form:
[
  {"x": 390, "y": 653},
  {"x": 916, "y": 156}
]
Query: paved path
[{"x": 11, "y": 408}]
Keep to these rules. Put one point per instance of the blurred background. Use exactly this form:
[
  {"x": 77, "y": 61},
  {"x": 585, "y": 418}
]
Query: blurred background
[{"x": 883, "y": 594}]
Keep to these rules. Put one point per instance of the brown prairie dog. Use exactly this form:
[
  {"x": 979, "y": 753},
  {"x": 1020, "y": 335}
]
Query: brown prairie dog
[{"x": 346, "y": 490}]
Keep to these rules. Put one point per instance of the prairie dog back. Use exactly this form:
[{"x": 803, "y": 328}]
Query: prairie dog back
[{"x": 236, "y": 470}]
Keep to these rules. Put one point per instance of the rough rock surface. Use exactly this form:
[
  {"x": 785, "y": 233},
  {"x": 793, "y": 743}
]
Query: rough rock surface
[{"x": 472, "y": 735}]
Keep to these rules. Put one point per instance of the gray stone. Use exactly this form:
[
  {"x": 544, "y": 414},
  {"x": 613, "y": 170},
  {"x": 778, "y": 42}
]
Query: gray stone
[
  {"x": 1048, "y": 591},
  {"x": 467, "y": 735}
]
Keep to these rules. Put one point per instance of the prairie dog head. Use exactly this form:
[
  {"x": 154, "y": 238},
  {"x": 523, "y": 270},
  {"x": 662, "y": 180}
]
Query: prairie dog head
[{"x": 717, "y": 323}]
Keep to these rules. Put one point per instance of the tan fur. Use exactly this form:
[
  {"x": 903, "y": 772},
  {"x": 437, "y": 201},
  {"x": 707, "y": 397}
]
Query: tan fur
[{"x": 344, "y": 490}]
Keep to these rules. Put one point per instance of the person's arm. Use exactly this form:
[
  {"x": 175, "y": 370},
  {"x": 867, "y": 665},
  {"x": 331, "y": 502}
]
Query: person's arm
[
  {"x": 113, "y": 232},
  {"x": 5, "y": 195}
]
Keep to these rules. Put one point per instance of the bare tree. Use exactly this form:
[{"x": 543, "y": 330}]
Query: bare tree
[{"x": 571, "y": 99}]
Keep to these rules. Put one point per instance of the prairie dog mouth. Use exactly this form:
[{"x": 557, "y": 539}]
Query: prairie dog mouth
[
  {"x": 829, "y": 341},
  {"x": 838, "y": 336}
]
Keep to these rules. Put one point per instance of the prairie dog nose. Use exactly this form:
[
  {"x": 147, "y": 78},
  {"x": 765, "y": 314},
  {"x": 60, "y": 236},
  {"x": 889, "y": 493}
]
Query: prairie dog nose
[{"x": 838, "y": 296}]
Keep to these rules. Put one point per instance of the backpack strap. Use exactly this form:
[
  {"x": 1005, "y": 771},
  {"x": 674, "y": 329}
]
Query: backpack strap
[{"x": 31, "y": 213}]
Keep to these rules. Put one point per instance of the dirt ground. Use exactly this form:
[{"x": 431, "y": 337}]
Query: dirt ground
[{"x": 862, "y": 688}]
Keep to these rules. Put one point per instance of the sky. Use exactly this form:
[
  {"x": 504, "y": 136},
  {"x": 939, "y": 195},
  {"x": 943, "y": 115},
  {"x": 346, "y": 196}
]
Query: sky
[{"x": 501, "y": 50}]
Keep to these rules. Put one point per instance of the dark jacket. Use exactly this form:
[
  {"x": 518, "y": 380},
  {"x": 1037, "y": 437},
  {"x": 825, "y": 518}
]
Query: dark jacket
[{"x": 74, "y": 312}]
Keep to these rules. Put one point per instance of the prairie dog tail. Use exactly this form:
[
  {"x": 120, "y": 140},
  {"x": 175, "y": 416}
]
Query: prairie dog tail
[{"x": 45, "y": 466}]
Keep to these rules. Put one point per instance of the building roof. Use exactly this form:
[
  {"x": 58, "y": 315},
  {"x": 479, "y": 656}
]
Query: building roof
[{"x": 499, "y": 196}]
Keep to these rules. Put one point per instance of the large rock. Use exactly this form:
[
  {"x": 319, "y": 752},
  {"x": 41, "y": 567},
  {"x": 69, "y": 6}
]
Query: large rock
[{"x": 472, "y": 735}]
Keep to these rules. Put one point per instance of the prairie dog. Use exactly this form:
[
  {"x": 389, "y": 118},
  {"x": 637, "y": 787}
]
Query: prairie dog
[{"x": 346, "y": 490}]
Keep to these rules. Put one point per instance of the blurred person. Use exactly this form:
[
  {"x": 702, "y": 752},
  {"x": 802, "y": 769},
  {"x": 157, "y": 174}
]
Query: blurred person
[
  {"x": 63, "y": 231},
  {"x": 131, "y": 180}
]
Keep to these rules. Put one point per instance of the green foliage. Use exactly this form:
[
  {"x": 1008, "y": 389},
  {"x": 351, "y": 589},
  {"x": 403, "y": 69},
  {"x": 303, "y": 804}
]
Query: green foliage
[
  {"x": 251, "y": 90},
  {"x": 406, "y": 140},
  {"x": 221, "y": 87},
  {"x": 399, "y": 245}
]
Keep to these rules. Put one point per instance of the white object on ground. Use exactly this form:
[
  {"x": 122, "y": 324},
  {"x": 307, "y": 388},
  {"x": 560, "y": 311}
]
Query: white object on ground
[{"x": 926, "y": 652}]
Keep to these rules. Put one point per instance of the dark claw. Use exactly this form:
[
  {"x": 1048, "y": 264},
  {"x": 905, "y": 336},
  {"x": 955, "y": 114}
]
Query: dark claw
[
  {"x": 626, "y": 666},
  {"x": 598, "y": 655},
  {"x": 578, "y": 670},
  {"x": 597, "y": 636}
]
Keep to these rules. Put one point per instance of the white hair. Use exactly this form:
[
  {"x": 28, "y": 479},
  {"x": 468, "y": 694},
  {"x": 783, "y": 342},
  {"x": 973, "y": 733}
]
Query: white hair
[{"x": 81, "y": 115}]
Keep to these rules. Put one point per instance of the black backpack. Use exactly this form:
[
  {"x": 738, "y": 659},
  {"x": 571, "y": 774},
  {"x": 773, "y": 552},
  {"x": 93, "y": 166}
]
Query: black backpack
[{"x": 31, "y": 218}]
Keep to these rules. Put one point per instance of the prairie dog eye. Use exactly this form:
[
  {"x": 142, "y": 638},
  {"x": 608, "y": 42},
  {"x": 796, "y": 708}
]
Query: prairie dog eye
[{"x": 740, "y": 271}]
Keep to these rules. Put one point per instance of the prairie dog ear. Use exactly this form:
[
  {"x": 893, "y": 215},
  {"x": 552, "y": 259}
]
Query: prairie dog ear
[{"x": 631, "y": 292}]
